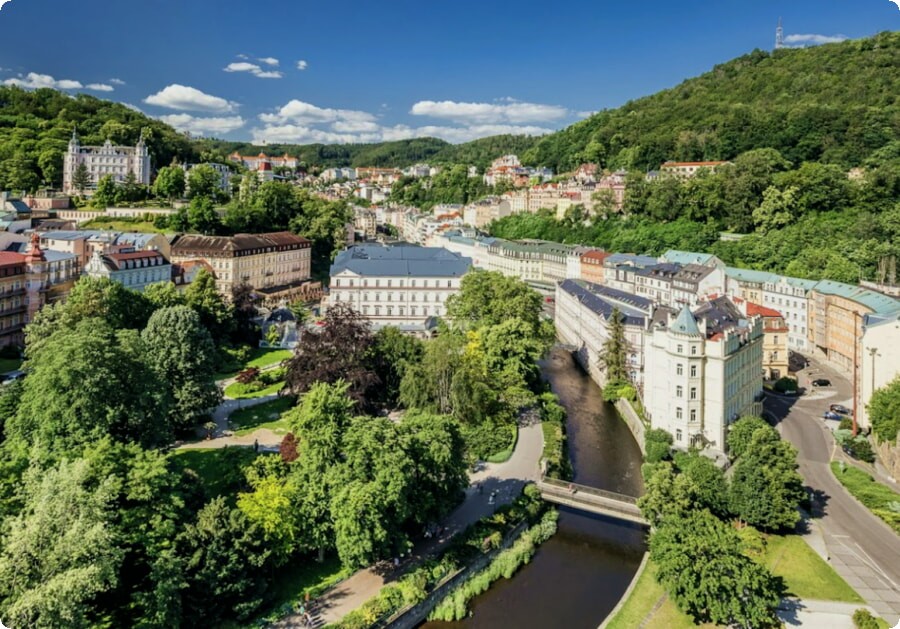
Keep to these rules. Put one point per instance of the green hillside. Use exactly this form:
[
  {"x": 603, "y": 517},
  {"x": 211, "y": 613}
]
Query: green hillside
[
  {"x": 35, "y": 127},
  {"x": 835, "y": 103}
]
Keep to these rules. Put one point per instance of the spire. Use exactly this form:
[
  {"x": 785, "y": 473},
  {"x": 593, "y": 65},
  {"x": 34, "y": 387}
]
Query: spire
[
  {"x": 779, "y": 36},
  {"x": 35, "y": 254},
  {"x": 686, "y": 323}
]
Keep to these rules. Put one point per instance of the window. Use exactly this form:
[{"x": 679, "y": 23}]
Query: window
[
  {"x": 775, "y": 340},
  {"x": 693, "y": 371},
  {"x": 679, "y": 369},
  {"x": 693, "y": 393},
  {"x": 678, "y": 434},
  {"x": 679, "y": 391},
  {"x": 693, "y": 350},
  {"x": 693, "y": 414},
  {"x": 678, "y": 413},
  {"x": 680, "y": 349}
]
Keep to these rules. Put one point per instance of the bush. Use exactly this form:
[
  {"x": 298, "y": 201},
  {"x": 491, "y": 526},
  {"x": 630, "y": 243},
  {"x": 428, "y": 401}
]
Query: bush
[
  {"x": 846, "y": 424},
  {"x": 248, "y": 375},
  {"x": 862, "y": 619},
  {"x": 860, "y": 448},
  {"x": 658, "y": 445},
  {"x": 785, "y": 384},
  {"x": 486, "y": 438}
]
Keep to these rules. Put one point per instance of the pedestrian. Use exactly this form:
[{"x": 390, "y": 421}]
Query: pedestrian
[
  {"x": 256, "y": 445},
  {"x": 480, "y": 489}
]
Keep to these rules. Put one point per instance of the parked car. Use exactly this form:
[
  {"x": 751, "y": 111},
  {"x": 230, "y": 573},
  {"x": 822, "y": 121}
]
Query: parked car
[
  {"x": 831, "y": 415},
  {"x": 838, "y": 408},
  {"x": 821, "y": 382},
  {"x": 12, "y": 376}
]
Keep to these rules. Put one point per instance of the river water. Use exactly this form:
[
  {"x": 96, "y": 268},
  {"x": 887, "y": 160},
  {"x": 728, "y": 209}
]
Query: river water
[{"x": 577, "y": 576}]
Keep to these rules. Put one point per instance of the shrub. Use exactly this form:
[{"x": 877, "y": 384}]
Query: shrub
[
  {"x": 863, "y": 619},
  {"x": 861, "y": 449},
  {"x": 248, "y": 375},
  {"x": 846, "y": 424},
  {"x": 785, "y": 384},
  {"x": 658, "y": 445}
]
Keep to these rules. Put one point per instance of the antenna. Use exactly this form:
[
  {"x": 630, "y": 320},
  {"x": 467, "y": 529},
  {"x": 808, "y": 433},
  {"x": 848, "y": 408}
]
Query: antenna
[{"x": 779, "y": 36}]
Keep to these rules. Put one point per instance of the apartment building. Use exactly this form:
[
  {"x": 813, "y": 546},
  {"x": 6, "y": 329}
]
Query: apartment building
[
  {"x": 702, "y": 373},
  {"x": 266, "y": 261},
  {"x": 13, "y": 309},
  {"x": 132, "y": 268},
  {"x": 776, "y": 352},
  {"x": 100, "y": 161},
  {"x": 686, "y": 170},
  {"x": 401, "y": 286},
  {"x": 880, "y": 359}
]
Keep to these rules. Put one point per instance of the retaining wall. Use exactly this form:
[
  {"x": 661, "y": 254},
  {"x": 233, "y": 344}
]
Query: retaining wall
[{"x": 631, "y": 419}]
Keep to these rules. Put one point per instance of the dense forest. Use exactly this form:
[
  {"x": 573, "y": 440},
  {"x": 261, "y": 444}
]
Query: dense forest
[{"x": 835, "y": 103}]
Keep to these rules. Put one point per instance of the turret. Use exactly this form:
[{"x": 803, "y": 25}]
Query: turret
[{"x": 36, "y": 277}]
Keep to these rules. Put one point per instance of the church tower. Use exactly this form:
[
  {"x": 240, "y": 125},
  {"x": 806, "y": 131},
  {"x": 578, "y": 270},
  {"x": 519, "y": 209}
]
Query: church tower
[
  {"x": 779, "y": 36},
  {"x": 70, "y": 161},
  {"x": 36, "y": 277}
]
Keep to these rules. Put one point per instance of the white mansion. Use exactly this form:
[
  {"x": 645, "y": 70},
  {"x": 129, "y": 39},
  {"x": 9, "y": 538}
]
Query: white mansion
[
  {"x": 402, "y": 286},
  {"x": 104, "y": 160}
]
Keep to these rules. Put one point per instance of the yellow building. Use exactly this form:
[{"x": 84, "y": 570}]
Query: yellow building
[
  {"x": 775, "y": 341},
  {"x": 265, "y": 261}
]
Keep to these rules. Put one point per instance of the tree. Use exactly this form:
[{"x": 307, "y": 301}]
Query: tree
[
  {"x": 776, "y": 210},
  {"x": 203, "y": 296},
  {"x": 50, "y": 161},
  {"x": 340, "y": 350},
  {"x": 164, "y": 295},
  {"x": 320, "y": 421},
  {"x": 490, "y": 298},
  {"x": 169, "y": 183},
  {"x": 81, "y": 178},
  {"x": 741, "y": 432},
  {"x": 60, "y": 552},
  {"x": 766, "y": 488},
  {"x": 105, "y": 194},
  {"x": 884, "y": 411},
  {"x": 393, "y": 353},
  {"x": 700, "y": 563},
  {"x": 708, "y": 478},
  {"x": 181, "y": 352},
  {"x": 87, "y": 382},
  {"x": 202, "y": 217},
  {"x": 243, "y": 301},
  {"x": 270, "y": 506},
  {"x": 668, "y": 494},
  {"x": 614, "y": 355},
  {"x": 658, "y": 445},
  {"x": 203, "y": 181}
]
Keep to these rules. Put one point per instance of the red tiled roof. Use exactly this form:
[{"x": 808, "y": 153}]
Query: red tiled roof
[
  {"x": 596, "y": 256},
  {"x": 8, "y": 258},
  {"x": 762, "y": 311}
]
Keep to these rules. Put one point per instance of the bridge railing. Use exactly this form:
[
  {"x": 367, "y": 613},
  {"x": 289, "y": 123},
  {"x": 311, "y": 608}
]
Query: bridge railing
[{"x": 565, "y": 486}]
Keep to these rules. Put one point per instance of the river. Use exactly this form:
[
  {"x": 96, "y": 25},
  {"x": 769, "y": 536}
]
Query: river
[{"x": 577, "y": 576}]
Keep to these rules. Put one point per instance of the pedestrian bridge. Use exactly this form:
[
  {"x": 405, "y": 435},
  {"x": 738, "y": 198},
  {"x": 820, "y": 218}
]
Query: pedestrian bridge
[{"x": 591, "y": 499}]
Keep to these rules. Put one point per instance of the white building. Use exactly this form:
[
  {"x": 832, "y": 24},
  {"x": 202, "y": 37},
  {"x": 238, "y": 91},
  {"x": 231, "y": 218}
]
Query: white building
[
  {"x": 880, "y": 359},
  {"x": 101, "y": 161},
  {"x": 402, "y": 286},
  {"x": 133, "y": 269},
  {"x": 583, "y": 314},
  {"x": 702, "y": 372},
  {"x": 223, "y": 171}
]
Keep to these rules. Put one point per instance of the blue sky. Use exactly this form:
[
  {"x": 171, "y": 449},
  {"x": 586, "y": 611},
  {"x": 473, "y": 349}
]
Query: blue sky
[{"x": 355, "y": 70}]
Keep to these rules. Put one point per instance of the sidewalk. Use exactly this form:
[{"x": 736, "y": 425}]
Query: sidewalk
[
  {"x": 812, "y": 614},
  {"x": 507, "y": 479}
]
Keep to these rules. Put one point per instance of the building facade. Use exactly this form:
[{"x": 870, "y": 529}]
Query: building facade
[
  {"x": 880, "y": 363},
  {"x": 265, "y": 261},
  {"x": 702, "y": 373},
  {"x": 133, "y": 269},
  {"x": 13, "y": 309},
  {"x": 400, "y": 286},
  {"x": 776, "y": 348},
  {"x": 101, "y": 161}
]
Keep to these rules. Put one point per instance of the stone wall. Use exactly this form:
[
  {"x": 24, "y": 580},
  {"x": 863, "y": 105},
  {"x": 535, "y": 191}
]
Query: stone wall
[
  {"x": 889, "y": 453},
  {"x": 631, "y": 419}
]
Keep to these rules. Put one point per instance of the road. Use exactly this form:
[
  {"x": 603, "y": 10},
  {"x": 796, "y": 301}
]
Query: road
[{"x": 860, "y": 547}]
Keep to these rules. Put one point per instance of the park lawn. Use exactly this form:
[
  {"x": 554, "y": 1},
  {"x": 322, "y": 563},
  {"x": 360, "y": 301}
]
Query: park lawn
[
  {"x": 260, "y": 357},
  {"x": 503, "y": 455},
  {"x": 10, "y": 364},
  {"x": 640, "y": 605},
  {"x": 805, "y": 573},
  {"x": 875, "y": 496},
  {"x": 221, "y": 470},
  {"x": 293, "y": 582},
  {"x": 239, "y": 391},
  {"x": 269, "y": 415}
]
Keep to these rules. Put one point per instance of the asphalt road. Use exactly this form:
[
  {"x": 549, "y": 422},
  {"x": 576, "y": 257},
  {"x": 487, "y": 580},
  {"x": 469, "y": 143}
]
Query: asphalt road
[{"x": 862, "y": 548}]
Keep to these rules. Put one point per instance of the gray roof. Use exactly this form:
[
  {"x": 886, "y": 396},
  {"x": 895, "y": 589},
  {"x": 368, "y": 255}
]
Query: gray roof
[
  {"x": 603, "y": 300},
  {"x": 629, "y": 259},
  {"x": 391, "y": 261},
  {"x": 686, "y": 323},
  {"x": 138, "y": 240},
  {"x": 57, "y": 256}
]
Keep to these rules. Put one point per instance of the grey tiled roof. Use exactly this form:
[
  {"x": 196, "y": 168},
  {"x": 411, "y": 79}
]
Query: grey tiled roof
[{"x": 390, "y": 261}]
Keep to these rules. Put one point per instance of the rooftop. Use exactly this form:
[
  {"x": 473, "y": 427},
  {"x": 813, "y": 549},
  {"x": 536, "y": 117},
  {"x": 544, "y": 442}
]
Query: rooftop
[
  {"x": 603, "y": 300},
  {"x": 402, "y": 261}
]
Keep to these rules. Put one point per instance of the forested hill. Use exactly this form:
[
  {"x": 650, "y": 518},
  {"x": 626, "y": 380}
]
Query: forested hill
[
  {"x": 834, "y": 103},
  {"x": 398, "y": 154},
  {"x": 35, "y": 127}
]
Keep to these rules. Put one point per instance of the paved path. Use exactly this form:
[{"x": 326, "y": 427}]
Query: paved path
[
  {"x": 859, "y": 546},
  {"x": 506, "y": 479},
  {"x": 224, "y": 437},
  {"x": 812, "y": 614}
]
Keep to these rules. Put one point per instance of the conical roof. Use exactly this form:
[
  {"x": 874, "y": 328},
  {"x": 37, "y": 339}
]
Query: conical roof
[{"x": 685, "y": 323}]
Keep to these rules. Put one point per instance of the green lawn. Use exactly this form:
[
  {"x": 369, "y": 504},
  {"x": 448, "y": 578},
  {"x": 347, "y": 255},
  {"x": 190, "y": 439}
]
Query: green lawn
[
  {"x": 9, "y": 364},
  {"x": 240, "y": 391},
  {"x": 260, "y": 357},
  {"x": 503, "y": 455},
  {"x": 805, "y": 573},
  {"x": 294, "y": 581},
  {"x": 220, "y": 469},
  {"x": 124, "y": 226},
  {"x": 268, "y": 415},
  {"x": 874, "y": 495},
  {"x": 642, "y": 603}
]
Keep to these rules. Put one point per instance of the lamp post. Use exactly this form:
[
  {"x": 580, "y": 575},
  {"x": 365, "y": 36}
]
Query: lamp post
[
  {"x": 873, "y": 352},
  {"x": 856, "y": 359}
]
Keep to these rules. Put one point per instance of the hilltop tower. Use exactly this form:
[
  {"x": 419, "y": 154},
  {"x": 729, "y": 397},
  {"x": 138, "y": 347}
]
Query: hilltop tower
[{"x": 779, "y": 36}]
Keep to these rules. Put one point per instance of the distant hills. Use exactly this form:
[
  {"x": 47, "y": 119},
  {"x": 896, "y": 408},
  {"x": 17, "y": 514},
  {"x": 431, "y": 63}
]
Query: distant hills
[{"x": 834, "y": 103}]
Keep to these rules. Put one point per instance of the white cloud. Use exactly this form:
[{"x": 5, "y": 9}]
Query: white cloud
[
  {"x": 511, "y": 112},
  {"x": 302, "y": 65},
  {"x": 99, "y": 87},
  {"x": 203, "y": 126},
  {"x": 252, "y": 68},
  {"x": 33, "y": 80},
  {"x": 2, "y": 2},
  {"x": 177, "y": 96},
  {"x": 269, "y": 61},
  {"x": 299, "y": 112},
  {"x": 117, "y": 81},
  {"x": 813, "y": 38},
  {"x": 242, "y": 56}
]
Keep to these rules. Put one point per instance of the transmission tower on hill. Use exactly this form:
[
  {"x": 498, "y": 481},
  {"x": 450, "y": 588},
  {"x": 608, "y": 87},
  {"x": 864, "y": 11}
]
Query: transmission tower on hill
[{"x": 779, "y": 36}]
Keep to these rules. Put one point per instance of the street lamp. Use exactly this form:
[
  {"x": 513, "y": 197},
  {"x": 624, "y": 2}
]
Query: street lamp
[{"x": 873, "y": 352}]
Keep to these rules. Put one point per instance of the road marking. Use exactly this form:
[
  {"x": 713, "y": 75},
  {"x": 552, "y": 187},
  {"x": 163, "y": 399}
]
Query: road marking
[{"x": 867, "y": 560}]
